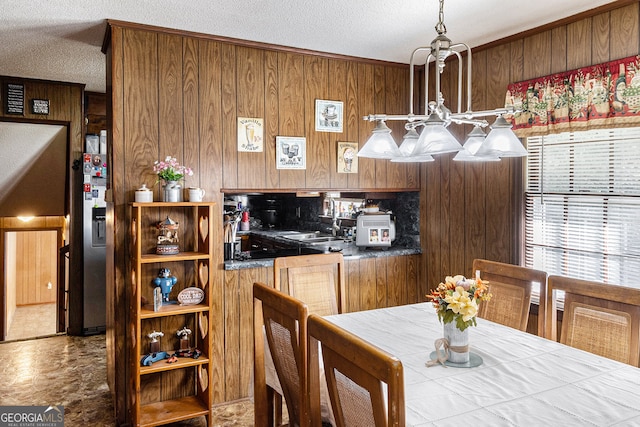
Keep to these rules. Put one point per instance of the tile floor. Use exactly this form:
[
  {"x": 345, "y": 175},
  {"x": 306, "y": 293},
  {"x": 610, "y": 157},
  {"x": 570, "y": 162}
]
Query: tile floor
[
  {"x": 30, "y": 321},
  {"x": 71, "y": 371}
]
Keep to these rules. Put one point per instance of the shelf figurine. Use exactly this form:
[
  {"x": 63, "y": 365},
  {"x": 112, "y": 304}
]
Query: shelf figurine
[
  {"x": 168, "y": 238},
  {"x": 183, "y": 334},
  {"x": 154, "y": 354},
  {"x": 154, "y": 345},
  {"x": 166, "y": 282}
]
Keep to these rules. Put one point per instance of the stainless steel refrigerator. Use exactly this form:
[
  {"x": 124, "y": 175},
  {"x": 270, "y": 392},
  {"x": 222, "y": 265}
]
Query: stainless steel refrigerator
[{"x": 94, "y": 169}]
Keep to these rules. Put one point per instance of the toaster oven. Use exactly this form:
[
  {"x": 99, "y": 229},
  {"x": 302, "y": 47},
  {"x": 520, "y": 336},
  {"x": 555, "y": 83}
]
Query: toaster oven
[{"x": 375, "y": 230}]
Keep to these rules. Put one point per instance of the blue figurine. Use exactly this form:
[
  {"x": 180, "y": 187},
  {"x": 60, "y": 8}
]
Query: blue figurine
[{"x": 166, "y": 282}]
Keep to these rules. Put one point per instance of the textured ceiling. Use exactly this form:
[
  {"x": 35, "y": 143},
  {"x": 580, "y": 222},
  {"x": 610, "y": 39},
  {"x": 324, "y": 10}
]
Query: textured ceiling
[{"x": 61, "y": 39}]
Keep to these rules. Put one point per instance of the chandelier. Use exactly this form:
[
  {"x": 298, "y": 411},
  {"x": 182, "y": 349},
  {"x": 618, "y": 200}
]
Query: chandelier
[{"x": 434, "y": 137}]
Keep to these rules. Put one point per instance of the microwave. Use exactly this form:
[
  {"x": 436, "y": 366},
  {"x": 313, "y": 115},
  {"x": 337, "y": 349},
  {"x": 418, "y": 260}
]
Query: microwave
[{"x": 375, "y": 230}]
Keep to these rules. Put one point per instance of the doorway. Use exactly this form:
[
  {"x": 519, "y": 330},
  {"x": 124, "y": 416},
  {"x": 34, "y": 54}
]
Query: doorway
[
  {"x": 34, "y": 200},
  {"x": 31, "y": 276}
]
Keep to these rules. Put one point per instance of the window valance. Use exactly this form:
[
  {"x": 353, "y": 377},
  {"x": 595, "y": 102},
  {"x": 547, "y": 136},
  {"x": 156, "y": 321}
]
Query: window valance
[{"x": 598, "y": 96}]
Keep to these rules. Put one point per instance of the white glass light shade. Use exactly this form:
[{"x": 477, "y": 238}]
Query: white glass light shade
[
  {"x": 435, "y": 139},
  {"x": 501, "y": 141},
  {"x": 469, "y": 151},
  {"x": 380, "y": 144},
  {"x": 406, "y": 148}
]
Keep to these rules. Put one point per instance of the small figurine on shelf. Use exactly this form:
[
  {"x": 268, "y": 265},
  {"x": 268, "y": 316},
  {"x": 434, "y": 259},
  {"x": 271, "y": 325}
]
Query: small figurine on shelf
[
  {"x": 185, "y": 349},
  {"x": 168, "y": 238},
  {"x": 154, "y": 345},
  {"x": 183, "y": 334},
  {"x": 154, "y": 354},
  {"x": 166, "y": 282}
]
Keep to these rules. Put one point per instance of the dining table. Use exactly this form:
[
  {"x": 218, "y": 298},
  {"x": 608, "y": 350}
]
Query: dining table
[{"x": 521, "y": 380}]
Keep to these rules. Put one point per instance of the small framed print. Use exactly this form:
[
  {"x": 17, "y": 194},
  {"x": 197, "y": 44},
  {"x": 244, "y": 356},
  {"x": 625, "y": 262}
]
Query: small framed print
[
  {"x": 347, "y": 157},
  {"x": 40, "y": 106},
  {"x": 291, "y": 152},
  {"x": 329, "y": 116},
  {"x": 250, "y": 134}
]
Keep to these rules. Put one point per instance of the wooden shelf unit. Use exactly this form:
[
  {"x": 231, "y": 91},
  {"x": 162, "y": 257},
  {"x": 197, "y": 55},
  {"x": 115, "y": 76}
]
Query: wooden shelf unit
[{"x": 170, "y": 392}]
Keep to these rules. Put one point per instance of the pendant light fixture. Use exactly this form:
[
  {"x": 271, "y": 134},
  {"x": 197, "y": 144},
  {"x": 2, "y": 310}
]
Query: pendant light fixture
[{"x": 435, "y": 137}]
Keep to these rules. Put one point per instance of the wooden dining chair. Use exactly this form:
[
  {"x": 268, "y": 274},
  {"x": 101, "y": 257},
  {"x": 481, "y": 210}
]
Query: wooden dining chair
[
  {"x": 284, "y": 321},
  {"x": 510, "y": 286},
  {"x": 318, "y": 280},
  {"x": 599, "y": 318},
  {"x": 355, "y": 372}
]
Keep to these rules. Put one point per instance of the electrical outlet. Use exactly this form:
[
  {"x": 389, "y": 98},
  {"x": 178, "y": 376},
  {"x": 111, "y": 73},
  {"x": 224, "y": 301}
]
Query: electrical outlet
[{"x": 49, "y": 285}]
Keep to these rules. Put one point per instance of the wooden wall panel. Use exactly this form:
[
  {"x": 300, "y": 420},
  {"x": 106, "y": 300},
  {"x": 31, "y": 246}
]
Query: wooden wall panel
[
  {"x": 352, "y": 117},
  {"x": 292, "y": 122},
  {"x": 316, "y": 71},
  {"x": 558, "y": 50},
  {"x": 625, "y": 31},
  {"x": 189, "y": 113},
  {"x": 271, "y": 118},
  {"x": 141, "y": 109},
  {"x": 537, "y": 61},
  {"x": 367, "y": 283},
  {"x": 366, "y": 102},
  {"x": 170, "y": 81},
  {"x": 379, "y": 104},
  {"x": 337, "y": 90},
  {"x": 600, "y": 36},
  {"x": 211, "y": 113},
  {"x": 353, "y": 285},
  {"x": 119, "y": 301},
  {"x": 229, "y": 109},
  {"x": 396, "y": 96},
  {"x": 250, "y": 95},
  {"x": 578, "y": 46}
]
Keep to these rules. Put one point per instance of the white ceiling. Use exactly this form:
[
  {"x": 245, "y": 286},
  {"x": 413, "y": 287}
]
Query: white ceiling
[{"x": 61, "y": 39}]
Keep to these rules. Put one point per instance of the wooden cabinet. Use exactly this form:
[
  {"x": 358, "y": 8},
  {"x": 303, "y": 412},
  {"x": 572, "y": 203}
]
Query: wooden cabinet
[{"x": 168, "y": 392}]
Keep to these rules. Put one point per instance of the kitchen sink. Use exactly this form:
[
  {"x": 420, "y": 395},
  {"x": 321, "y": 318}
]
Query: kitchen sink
[
  {"x": 302, "y": 236},
  {"x": 311, "y": 237}
]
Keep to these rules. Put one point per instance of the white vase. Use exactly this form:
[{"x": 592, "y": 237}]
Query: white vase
[
  {"x": 172, "y": 191},
  {"x": 458, "y": 343}
]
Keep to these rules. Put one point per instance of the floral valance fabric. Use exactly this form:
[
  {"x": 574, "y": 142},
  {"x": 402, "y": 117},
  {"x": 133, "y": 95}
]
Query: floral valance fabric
[{"x": 603, "y": 95}]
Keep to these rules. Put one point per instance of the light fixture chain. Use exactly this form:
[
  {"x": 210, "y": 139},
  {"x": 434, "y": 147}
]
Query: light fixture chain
[{"x": 440, "y": 27}]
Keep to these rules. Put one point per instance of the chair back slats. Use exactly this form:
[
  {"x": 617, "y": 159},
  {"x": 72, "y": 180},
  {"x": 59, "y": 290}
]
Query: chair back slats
[
  {"x": 318, "y": 280},
  {"x": 599, "y": 318},
  {"x": 355, "y": 372},
  {"x": 285, "y": 325},
  {"x": 511, "y": 288}
]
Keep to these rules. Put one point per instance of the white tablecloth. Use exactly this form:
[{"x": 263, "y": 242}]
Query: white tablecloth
[{"x": 524, "y": 380}]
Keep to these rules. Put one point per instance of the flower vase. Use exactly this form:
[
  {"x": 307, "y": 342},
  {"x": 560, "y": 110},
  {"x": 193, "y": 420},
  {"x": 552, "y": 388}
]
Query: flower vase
[
  {"x": 458, "y": 343},
  {"x": 172, "y": 191}
]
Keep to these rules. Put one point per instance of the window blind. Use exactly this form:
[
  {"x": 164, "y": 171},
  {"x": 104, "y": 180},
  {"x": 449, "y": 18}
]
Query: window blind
[{"x": 582, "y": 205}]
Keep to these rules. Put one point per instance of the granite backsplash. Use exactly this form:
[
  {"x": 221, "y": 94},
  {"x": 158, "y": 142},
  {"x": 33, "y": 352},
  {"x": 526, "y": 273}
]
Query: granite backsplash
[{"x": 286, "y": 211}]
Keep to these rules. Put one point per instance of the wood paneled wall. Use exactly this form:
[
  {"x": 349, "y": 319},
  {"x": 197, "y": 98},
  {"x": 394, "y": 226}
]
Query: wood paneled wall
[
  {"x": 370, "y": 283},
  {"x": 178, "y": 94},
  {"x": 473, "y": 210}
]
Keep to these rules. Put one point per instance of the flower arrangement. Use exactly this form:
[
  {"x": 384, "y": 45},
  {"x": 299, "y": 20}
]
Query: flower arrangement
[
  {"x": 170, "y": 169},
  {"x": 457, "y": 300}
]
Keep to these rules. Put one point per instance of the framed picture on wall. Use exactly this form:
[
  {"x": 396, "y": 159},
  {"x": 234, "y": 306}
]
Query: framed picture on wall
[
  {"x": 328, "y": 116},
  {"x": 347, "y": 157},
  {"x": 250, "y": 134},
  {"x": 291, "y": 152}
]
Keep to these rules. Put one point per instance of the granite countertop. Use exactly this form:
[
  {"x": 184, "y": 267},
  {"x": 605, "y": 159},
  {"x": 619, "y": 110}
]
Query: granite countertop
[{"x": 348, "y": 249}]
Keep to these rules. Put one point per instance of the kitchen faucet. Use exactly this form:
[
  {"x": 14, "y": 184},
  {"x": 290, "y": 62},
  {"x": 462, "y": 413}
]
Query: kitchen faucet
[{"x": 335, "y": 225}]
